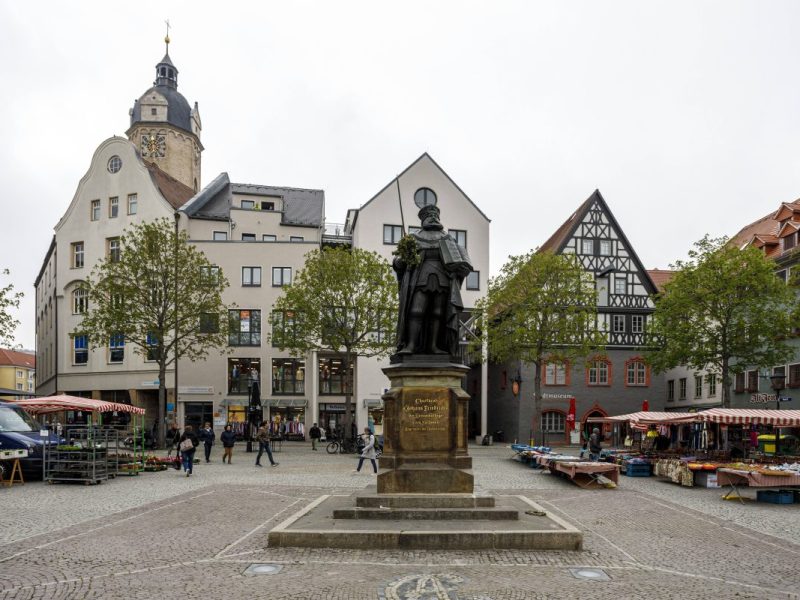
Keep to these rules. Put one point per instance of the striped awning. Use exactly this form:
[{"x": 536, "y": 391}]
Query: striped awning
[
  {"x": 747, "y": 416},
  {"x": 49, "y": 404},
  {"x": 647, "y": 417}
]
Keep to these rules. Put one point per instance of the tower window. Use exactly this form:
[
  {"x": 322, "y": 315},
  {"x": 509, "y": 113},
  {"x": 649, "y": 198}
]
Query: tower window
[
  {"x": 163, "y": 72},
  {"x": 153, "y": 111}
]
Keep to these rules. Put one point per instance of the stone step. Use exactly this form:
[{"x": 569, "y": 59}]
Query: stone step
[
  {"x": 424, "y": 501},
  {"x": 428, "y": 514}
]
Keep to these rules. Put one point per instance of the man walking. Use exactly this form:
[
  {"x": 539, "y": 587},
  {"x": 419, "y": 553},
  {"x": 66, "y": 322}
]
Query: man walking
[
  {"x": 594, "y": 445},
  {"x": 263, "y": 444},
  {"x": 207, "y": 436},
  {"x": 315, "y": 434}
]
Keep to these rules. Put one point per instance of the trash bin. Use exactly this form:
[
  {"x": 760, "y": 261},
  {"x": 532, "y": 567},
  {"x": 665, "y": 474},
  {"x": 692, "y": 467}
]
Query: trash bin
[{"x": 766, "y": 443}]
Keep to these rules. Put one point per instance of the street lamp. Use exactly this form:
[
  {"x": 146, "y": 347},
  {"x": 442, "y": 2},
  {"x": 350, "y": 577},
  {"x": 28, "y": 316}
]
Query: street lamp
[{"x": 778, "y": 380}]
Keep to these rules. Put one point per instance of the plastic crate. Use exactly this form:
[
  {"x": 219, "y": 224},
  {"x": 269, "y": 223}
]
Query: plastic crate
[
  {"x": 637, "y": 471},
  {"x": 775, "y": 496}
]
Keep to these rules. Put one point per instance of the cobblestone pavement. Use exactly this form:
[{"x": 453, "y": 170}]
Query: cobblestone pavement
[{"x": 163, "y": 535}]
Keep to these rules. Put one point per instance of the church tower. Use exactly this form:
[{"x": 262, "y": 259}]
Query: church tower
[{"x": 165, "y": 129}]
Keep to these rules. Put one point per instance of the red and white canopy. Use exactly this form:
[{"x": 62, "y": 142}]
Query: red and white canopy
[
  {"x": 747, "y": 416},
  {"x": 49, "y": 404},
  {"x": 646, "y": 417}
]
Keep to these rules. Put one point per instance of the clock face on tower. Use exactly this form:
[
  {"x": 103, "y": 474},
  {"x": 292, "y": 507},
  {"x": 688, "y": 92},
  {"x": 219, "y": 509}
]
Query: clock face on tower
[{"x": 153, "y": 146}]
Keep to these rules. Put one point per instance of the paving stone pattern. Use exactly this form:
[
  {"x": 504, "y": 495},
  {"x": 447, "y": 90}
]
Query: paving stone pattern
[{"x": 163, "y": 535}]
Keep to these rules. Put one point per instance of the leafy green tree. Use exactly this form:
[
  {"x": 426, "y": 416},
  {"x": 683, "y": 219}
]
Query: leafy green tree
[
  {"x": 342, "y": 301},
  {"x": 541, "y": 308},
  {"x": 724, "y": 310},
  {"x": 162, "y": 294},
  {"x": 9, "y": 299}
]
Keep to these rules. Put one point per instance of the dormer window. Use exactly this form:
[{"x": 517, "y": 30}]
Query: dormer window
[{"x": 789, "y": 242}]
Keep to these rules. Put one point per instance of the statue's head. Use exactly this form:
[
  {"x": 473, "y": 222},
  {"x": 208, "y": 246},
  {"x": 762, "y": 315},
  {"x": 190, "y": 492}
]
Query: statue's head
[{"x": 429, "y": 216}]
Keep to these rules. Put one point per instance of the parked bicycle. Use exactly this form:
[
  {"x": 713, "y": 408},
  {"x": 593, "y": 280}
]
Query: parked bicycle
[{"x": 345, "y": 446}]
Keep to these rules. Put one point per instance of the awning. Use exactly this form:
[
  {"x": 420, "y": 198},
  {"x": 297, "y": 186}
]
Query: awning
[
  {"x": 287, "y": 403},
  {"x": 648, "y": 418},
  {"x": 50, "y": 404},
  {"x": 747, "y": 416},
  {"x": 373, "y": 403}
]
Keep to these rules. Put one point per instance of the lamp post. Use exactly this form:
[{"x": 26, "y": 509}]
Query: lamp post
[{"x": 777, "y": 380}]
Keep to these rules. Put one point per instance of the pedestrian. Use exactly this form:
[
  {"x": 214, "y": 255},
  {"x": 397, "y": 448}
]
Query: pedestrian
[
  {"x": 173, "y": 439},
  {"x": 585, "y": 445},
  {"x": 368, "y": 451},
  {"x": 228, "y": 439},
  {"x": 263, "y": 444},
  {"x": 207, "y": 436},
  {"x": 594, "y": 445},
  {"x": 315, "y": 434},
  {"x": 187, "y": 449}
]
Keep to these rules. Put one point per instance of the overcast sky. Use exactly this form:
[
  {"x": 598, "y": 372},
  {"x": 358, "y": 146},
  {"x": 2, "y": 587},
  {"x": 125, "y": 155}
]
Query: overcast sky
[{"x": 684, "y": 114}]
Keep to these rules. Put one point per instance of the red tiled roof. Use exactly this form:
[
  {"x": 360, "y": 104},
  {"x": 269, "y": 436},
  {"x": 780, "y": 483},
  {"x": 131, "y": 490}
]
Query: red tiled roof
[
  {"x": 660, "y": 277},
  {"x": 15, "y": 358},
  {"x": 174, "y": 192}
]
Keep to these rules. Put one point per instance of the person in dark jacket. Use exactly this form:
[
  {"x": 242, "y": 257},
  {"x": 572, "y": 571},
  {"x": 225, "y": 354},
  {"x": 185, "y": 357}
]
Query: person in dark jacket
[
  {"x": 594, "y": 444},
  {"x": 207, "y": 436},
  {"x": 228, "y": 439},
  {"x": 173, "y": 438},
  {"x": 263, "y": 444},
  {"x": 315, "y": 434},
  {"x": 188, "y": 455}
]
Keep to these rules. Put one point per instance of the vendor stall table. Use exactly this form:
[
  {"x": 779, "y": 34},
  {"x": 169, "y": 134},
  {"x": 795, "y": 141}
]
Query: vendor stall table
[
  {"x": 583, "y": 474},
  {"x": 736, "y": 478},
  {"x": 13, "y": 456}
]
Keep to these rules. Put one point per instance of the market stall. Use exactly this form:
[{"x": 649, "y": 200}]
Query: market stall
[
  {"x": 583, "y": 473},
  {"x": 756, "y": 477}
]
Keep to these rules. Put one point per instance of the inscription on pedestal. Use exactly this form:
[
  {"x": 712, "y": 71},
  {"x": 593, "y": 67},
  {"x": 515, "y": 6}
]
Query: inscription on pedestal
[{"x": 425, "y": 419}]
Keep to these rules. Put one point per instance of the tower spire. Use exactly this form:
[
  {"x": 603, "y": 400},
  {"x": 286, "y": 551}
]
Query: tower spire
[{"x": 166, "y": 37}]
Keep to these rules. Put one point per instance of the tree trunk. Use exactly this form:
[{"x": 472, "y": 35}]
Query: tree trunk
[
  {"x": 726, "y": 384},
  {"x": 537, "y": 403},
  {"x": 162, "y": 404},
  {"x": 348, "y": 397}
]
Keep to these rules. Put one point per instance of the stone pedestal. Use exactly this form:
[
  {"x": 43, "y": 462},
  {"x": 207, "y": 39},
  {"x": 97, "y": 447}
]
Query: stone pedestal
[{"x": 425, "y": 429}]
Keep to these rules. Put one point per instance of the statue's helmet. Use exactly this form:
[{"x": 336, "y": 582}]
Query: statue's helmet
[{"x": 430, "y": 210}]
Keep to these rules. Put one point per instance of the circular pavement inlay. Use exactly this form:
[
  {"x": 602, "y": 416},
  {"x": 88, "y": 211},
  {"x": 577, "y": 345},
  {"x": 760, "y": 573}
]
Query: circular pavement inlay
[
  {"x": 441, "y": 586},
  {"x": 591, "y": 574},
  {"x": 262, "y": 569}
]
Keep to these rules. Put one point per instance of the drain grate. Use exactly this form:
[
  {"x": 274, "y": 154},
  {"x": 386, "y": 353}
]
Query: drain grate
[
  {"x": 590, "y": 574},
  {"x": 262, "y": 569}
]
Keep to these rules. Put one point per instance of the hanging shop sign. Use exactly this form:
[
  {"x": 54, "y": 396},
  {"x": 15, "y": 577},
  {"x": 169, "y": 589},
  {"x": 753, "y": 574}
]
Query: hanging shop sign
[
  {"x": 557, "y": 396},
  {"x": 767, "y": 398}
]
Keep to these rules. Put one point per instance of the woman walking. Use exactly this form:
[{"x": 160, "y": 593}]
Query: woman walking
[
  {"x": 187, "y": 445},
  {"x": 368, "y": 451},
  {"x": 228, "y": 439}
]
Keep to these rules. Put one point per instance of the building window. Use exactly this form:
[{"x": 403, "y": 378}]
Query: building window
[
  {"x": 114, "y": 164},
  {"x": 636, "y": 373},
  {"x": 248, "y": 237},
  {"x": 782, "y": 275},
  {"x": 20, "y": 375},
  {"x": 241, "y": 374},
  {"x": 113, "y": 207},
  {"x": 209, "y": 275},
  {"x": 296, "y": 238},
  {"x": 288, "y": 376},
  {"x": 113, "y": 249},
  {"x": 267, "y": 205},
  {"x": 553, "y": 422},
  {"x": 738, "y": 385},
  {"x": 152, "y": 348},
  {"x": 281, "y": 276},
  {"x": 413, "y": 229},
  {"x": 794, "y": 376},
  {"x": 605, "y": 247},
  {"x": 248, "y": 204},
  {"x": 251, "y": 276},
  {"x": 555, "y": 373},
  {"x": 209, "y": 323},
  {"x": 460, "y": 236},
  {"x": 474, "y": 280},
  {"x": 95, "y": 210},
  {"x": 244, "y": 327},
  {"x": 620, "y": 285},
  {"x": 682, "y": 389},
  {"x": 332, "y": 377},
  {"x": 133, "y": 204},
  {"x": 283, "y": 326},
  {"x": 392, "y": 234},
  {"x": 789, "y": 242},
  {"x": 116, "y": 348},
  {"x": 77, "y": 255},
  {"x": 637, "y": 323},
  {"x": 712, "y": 385},
  {"x": 698, "y": 386},
  {"x": 752, "y": 381},
  {"x": 268, "y": 237},
  {"x": 670, "y": 390},
  {"x": 588, "y": 247},
  {"x": 19, "y": 387},
  {"x": 598, "y": 373},
  {"x": 80, "y": 301},
  {"x": 220, "y": 236},
  {"x": 618, "y": 323},
  {"x": 424, "y": 197},
  {"x": 80, "y": 350}
]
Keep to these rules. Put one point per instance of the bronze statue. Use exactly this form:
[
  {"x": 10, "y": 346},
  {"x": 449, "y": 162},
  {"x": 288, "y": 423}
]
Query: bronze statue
[{"x": 430, "y": 297}]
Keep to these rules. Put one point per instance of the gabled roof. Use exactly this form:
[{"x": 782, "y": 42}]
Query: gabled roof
[
  {"x": 174, "y": 191},
  {"x": 558, "y": 240},
  {"x": 47, "y": 256},
  {"x": 660, "y": 277},
  {"x": 15, "y": 358},
  {"x": 408, "y": 168},
  {"x": 788, "y": 228}
]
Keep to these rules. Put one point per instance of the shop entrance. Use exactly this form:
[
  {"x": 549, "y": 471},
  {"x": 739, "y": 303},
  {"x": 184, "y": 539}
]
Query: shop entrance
[
  {"x": 331, "y": 417},
  {"x": 198, "y": 413}
]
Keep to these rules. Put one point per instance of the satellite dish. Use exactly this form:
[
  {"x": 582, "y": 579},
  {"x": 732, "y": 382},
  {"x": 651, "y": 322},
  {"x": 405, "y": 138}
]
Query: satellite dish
[{"x": 424, "y": 197}]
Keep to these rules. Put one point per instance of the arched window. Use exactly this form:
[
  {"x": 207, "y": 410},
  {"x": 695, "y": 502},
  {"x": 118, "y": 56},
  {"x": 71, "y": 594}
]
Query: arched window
[
  {"x": 636, "y": 373},
  {"x": 553, "y": 421},
  {"x": 598, "y": 372},
  {"x": 424, "y": 197},
  {"x": 80, "y": 301}
]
